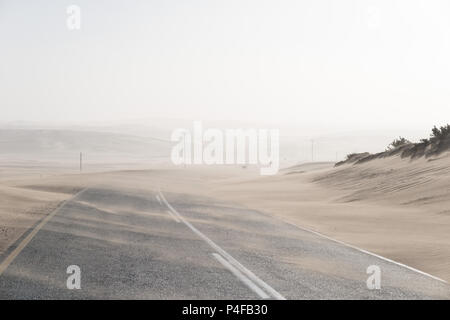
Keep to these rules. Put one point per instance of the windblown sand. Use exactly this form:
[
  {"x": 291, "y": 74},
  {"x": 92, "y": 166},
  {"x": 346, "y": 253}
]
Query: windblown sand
[{"x": 394, "y": 207}]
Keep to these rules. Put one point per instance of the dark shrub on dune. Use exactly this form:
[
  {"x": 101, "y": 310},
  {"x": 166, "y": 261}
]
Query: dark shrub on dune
[{"x": 438, "y": 142}]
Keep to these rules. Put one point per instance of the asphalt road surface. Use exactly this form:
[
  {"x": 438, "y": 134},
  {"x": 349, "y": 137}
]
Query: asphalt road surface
[{"x": 137, "y": 245}]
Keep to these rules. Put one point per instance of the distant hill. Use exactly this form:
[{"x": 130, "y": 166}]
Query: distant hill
[{"x": 48, "y": 145}]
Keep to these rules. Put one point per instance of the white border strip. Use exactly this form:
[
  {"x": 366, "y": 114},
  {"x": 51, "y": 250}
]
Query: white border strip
[
  {"x": 249, "y": 283},
  {"x": 10, "y": 258},
  {"x": 362, "y": 250},
  {"x": 275, "y": 294},
  {"x": 173, "y": 216}
]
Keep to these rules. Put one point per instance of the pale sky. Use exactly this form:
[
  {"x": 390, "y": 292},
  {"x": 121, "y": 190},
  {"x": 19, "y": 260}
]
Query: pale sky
[{"x": 344, "y": 64}]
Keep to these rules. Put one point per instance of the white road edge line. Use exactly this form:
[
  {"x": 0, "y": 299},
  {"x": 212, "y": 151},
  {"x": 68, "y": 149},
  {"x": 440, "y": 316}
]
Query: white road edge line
[
  {"x": 173, "y": 216},
  {"x": 275, "y": 294},
  {"x": 159, "y": 200},
  {"x": 363, "y": 251},
  {"x": 9, "y": 259},
  {"x": 249, "y": 283}
]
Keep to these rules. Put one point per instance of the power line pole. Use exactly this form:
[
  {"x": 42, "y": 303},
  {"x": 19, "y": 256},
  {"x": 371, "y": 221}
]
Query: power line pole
[
  {"x": 312, "y": 150},
  {"x": 81, "y": 161}
]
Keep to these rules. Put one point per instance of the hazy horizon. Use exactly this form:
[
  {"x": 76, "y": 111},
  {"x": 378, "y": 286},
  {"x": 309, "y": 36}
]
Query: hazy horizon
[
  {"x": 350, "y": 65},
  {"x": 329, "y": 144}
]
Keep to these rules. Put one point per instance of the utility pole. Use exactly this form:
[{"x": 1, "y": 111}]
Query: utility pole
[
  {"x": 81, "y": 161},
  {"x": 312, "y": 150}
]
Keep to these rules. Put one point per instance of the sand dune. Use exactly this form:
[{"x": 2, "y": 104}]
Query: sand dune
[{"x": 394, "y": 207}]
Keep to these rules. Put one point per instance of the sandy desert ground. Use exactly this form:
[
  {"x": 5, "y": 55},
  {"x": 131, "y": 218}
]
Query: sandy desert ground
[{"x": 394, "y": 207}]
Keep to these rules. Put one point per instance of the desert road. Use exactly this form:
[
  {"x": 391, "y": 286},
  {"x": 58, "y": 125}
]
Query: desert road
[{"x": 131, "y": 244}]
